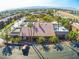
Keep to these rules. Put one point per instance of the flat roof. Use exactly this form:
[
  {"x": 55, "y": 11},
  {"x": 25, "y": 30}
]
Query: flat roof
[
  {"x": 38, "y": 29},
  {"x": 59, "y": 28}
]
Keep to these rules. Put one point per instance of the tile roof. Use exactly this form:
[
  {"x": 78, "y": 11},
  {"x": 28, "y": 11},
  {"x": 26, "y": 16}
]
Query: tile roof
[
  {"x": 76, "y": 25},
  {"x": 38, "y": 29}
]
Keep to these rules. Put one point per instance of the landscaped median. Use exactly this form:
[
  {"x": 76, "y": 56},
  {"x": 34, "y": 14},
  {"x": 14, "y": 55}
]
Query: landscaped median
[
  {"x": 8, "y": 26},
  {"x": 6, "y": 29}
]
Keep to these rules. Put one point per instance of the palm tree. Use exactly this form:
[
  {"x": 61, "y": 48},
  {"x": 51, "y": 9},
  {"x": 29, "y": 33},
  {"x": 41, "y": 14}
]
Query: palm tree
[
  {"x": 57, "y": 18},
  {"x": 31, "y": 17},
  {"x": 15, "y": 40},
  {"x": 50, "y": 12},
  {"x": 40, "y": 40},
  {"x": 48, "y": 18},
  {"x": 54, "y": 39},
  {"x": 65, "y": 23},
  {"x": 72, "y": 36},
  {"x": 30, "y": 25}
]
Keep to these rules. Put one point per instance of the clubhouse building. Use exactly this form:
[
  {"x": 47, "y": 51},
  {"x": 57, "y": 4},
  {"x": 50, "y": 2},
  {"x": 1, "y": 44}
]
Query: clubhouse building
[{"x": 44, "y": 29}]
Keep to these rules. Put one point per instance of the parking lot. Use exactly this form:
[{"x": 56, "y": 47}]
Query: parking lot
[{"x": 66, "y": 53}]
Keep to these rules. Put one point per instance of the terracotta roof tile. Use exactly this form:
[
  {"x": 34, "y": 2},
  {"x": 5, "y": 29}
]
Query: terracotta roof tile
[{"x": 38, "y": 29}]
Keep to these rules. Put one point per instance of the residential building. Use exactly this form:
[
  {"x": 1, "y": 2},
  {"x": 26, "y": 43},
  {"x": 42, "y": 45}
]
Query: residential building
[{"x": 75, "y": 27}]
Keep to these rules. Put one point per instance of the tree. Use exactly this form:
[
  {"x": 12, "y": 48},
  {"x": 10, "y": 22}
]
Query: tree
[
  {"x": 48, "y": 18},
  {"x": 31, "y": 17},
  {"x": 40, "y": 40},
  {"x": 7, "y": 37},
  {"x": 15, "y": 40},
  {"x": 53, "y": 39},
  {"x": 2, "y": 36},
  {"x": 72, "y": 35},
  {"x": 65, "y": 23},
  {"x": 30, "y": 25},
  {"x": 50, "y": 12},
  {"x": 58, "y": 19}
]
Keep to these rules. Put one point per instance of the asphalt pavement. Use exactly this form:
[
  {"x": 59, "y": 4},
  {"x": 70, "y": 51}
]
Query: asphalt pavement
[{"x": 66, "y": 53}]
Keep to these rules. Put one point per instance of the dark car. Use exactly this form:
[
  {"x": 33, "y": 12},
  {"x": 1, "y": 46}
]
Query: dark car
[
  {"x": 58, "y": 47},
  {"x": 76, "y": 44}
]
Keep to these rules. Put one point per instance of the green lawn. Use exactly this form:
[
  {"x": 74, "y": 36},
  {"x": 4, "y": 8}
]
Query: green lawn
[{"x": 7, "y": 26}]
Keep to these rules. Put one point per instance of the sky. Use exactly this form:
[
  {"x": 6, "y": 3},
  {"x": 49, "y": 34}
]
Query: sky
[{"x": 11, "y": 4}]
